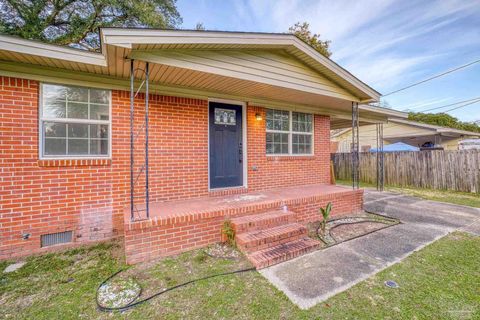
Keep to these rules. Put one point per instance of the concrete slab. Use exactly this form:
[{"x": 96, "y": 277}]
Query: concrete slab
[
  {"x": 473, "y": 228},
  {"x": 315, "y": 277}
]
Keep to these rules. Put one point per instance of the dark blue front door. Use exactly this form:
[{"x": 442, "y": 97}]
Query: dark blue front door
[{"x": 226, "y": 145}]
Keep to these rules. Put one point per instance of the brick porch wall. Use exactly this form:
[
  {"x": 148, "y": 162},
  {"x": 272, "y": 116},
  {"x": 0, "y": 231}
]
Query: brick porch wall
[
  {"x": 148, "y": 240},
  {"x": 88, "y": 196}
]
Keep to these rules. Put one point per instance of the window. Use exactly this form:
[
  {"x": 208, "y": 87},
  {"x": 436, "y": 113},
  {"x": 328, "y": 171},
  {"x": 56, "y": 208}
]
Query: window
[
  {"x": 289, "y": 132},
  {"x": 74, "y": 122}
]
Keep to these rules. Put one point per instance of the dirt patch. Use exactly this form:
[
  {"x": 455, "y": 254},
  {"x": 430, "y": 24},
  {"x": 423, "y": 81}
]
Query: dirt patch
[
  {"x": 344, "y": 232},
  {"x": 222, "y": 251}
]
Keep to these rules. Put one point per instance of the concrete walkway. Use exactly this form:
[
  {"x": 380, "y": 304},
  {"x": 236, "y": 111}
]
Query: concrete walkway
[{"x": 317, "y": 276}]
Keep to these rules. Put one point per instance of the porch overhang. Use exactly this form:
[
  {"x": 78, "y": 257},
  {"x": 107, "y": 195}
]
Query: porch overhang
[{"x": 270, "y": 70}]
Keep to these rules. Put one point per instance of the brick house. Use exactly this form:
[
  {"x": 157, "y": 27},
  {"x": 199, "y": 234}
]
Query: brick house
[{"x": 238, "y": 128}]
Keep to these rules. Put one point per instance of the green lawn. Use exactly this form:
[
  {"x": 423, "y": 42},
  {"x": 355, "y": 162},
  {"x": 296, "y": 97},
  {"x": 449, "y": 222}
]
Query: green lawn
[
  {"x": 455, "y": 197},
  {"x": 441, "y": 281}
]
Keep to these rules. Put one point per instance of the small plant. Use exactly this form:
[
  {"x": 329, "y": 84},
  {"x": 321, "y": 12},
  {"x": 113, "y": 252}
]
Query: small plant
[
  {"x": 325, "y": 215},
  {"x": 229, "y": 233}
]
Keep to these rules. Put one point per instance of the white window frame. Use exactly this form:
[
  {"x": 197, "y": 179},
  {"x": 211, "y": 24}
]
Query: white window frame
[
  {"x": 290, "y": 133},
  {"x": 41, "y": 120}
]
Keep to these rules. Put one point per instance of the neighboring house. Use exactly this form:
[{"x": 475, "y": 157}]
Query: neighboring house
[
  {"x": 413, "y": 133},
  {"x": 469, "y": 144},
  {"x": 232, "y": 116}
]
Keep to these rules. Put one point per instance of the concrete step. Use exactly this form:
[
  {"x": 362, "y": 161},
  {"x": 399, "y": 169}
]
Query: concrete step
[
  {"x": 262, "y": 221},
  {"x": 267, "y": 238},
  {"x": 283, "y": 252}
]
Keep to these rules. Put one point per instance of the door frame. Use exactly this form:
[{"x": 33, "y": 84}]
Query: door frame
[{"x": 244, "y": 141}]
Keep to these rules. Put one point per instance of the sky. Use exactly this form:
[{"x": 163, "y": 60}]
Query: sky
[{"x": 388, "y": 44}]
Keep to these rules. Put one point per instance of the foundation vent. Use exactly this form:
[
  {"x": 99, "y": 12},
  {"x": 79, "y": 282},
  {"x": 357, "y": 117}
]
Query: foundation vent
[{"x": 56, "y": 238}]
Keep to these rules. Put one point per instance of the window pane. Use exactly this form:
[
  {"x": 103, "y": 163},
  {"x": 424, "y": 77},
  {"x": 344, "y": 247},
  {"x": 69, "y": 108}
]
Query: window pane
[
  {"x": 301, "y": 122},
  {"x": 269, "y": 124},
  {"x": 77, "y": 146},
  {"x": 99, "y": 96},
  {"x": 53, "y": 92},
  {"x": 60, "y": 139},
  {"x": 269, "y": 137},
  {"x": 99, "y": 146},
  {"x": 77, "y": 94},
  {"x": 99, "y": 131},
  {"x": 54, "y": 109},
  {"x": 77, "y": 130},
  {"x": 55, "y": 146},
  {"x": 277, "y": 120},
  {"x": 308, "y": 148},
  {"x": 77, "y": 110},
  {"x": 99, "y": 112},
  {"x": 53, "y": 129},
  {"x": 301, "y": 144},
  {"x": 277, "y": 143}
]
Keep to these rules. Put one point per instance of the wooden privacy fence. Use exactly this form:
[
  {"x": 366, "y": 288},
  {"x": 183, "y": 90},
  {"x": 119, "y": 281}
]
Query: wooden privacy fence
[{"x": 445, "y": 170}]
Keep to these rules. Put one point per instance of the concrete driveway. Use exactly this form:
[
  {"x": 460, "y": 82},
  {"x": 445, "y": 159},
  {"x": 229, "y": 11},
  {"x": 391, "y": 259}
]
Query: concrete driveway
[{"x": 317, "y": 276}]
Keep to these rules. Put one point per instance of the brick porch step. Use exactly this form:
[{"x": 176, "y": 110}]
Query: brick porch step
[
  {"x": 262, "y": 239},
  {"x": 283, "y": 252},
  {"x": 262, "y": 221}
]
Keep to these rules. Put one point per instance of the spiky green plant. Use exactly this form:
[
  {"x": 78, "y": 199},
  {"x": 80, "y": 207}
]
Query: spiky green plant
[{"x": 325, "y": 212}]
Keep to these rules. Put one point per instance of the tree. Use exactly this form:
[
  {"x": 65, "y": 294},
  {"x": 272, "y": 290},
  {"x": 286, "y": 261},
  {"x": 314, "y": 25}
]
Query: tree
[
  {"x": 444, "y": 120},
  {"x": 302, "y": 31},
  {"x": 200, "y": 26},
  {"x": 76, "y": 22}
]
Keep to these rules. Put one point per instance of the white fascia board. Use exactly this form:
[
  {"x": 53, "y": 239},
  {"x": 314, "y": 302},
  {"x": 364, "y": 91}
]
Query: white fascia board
[
  {"x": 436, "y": 128},
  {"x": 51, "y": 51},
  {"x": 384, "y": 111},
  {"x": 457, "y": 131}
]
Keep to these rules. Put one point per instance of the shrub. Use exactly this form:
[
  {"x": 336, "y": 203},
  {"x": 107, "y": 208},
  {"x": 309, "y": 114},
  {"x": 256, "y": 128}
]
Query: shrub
[{"x": 229, "y": 233}]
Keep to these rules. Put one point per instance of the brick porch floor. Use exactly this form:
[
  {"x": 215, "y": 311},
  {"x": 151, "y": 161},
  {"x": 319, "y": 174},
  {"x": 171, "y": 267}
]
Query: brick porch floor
[{"x": 182, "y": 225}]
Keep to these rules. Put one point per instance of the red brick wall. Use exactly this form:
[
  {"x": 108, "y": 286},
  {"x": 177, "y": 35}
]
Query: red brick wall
[
  {"x": 148, "y": 240},
  {"x": 88, "y": 196},
  {"x": 280, "y": 171}
]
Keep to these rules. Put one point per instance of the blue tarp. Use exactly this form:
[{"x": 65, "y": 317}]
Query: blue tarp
[{"x": 399, "y": 146}]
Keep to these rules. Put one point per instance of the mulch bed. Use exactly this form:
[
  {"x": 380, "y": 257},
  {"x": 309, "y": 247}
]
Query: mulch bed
[{"x": 349, "y": 227}]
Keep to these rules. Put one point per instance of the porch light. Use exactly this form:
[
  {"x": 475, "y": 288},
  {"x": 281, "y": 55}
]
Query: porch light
[{"x": 258, "y": 116}]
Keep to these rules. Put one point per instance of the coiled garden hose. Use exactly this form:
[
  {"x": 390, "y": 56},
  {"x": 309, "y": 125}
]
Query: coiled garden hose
[{"x": 135, "y": 303}]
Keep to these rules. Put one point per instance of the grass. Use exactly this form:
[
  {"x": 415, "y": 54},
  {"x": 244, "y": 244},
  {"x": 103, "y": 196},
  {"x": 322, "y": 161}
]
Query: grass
[
  {"x": 441, "y": 281},
  {"x": 454, "y": 197}
]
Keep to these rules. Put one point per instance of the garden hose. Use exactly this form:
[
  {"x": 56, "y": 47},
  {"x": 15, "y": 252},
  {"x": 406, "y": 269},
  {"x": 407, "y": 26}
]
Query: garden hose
[{"x": 136, "y": 303}]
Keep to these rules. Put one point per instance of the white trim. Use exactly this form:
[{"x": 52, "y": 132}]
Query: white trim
[
  {"x": 244, "y": 141},
  {"x": 438, "y": 129},
  {"x": 290, "y": 133},
  {"x": 51, "y": 51},
  {"x": 385, "y": 111},
  {"x": 67, "y": 120}
]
